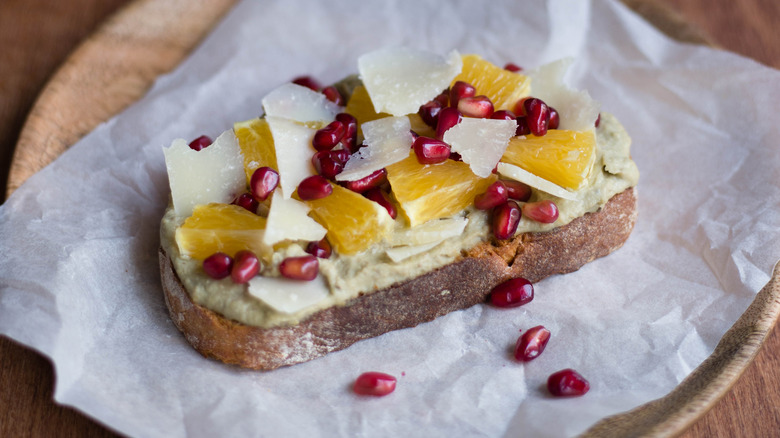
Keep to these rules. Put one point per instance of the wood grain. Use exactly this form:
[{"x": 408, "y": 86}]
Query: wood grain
[
  {"x": 36, "y": 35},
  {"x": 752, "y": 407},
  {"x": 106, "y": 73}
]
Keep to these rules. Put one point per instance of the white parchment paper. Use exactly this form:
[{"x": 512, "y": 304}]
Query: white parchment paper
[{"x": 79, "y": 279}]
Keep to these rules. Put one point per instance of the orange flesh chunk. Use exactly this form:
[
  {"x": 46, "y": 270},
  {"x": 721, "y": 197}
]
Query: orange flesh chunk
[
  {"x": 503, "y": 87},
  {"x": 420, "y": 127},
  {"x": 361, "y": 107},
  {"x": 354, "y": 223},
  {"x": 220, "y": 228},
  {"x": 562, "y": 157},
  {"x": 432, "y": 191},
  {"x": 257, "y": 145}
]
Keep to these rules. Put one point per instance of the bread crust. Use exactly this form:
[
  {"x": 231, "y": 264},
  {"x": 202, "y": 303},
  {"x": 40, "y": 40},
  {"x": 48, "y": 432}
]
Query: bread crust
[{"x": 459, "y": 285}]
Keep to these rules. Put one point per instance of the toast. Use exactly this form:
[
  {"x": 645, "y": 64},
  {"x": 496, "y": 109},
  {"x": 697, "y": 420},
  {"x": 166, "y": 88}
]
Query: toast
[
  {"x": 459, "y": 285},
  {"x": 419, "y": 224}
]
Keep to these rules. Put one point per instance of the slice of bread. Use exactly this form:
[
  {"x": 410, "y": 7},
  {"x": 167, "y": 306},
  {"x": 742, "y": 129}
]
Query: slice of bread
[{"x": 459, "y": 285}]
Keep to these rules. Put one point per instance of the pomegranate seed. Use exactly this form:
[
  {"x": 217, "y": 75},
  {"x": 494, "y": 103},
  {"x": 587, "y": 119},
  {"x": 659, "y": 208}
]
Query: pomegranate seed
[
  {"x": 350, "y": 133},
  {"x": 321, "y": 249},
  {"x": 517, "y": 190},
  {"x": 374, "y": 383},
  {"x": 264, "y": 180},
  {"x": 545, "y": 211},
  {"x": 503, "y": 115},
  {"x": 414, "y": 135},
  {"x": 245, "y": 266},
  {"x": 340, "y": 155},
  {"x": 538, "y": 116},
  {"x": 429, "y": 112},
  {"x": 380, "y": 197},
  {"x": 555, "y": 119},
  {"x": 247, "y": 201},
  {"x": 476, "y": 106},
  {"x": 598, "y": 120},
  {"x": 505, "y": 219},
  {"x": 531, "y": 344},
  {"x": 300, "y": 268},
  {"x": 513, "y": 67},
  {"x": 375, "y": 179},
  {"x": 522, "y": 126},
  {"x": 512, "y": 293},
  {"x": 332, "y": 94},
  {"x": 567, "y": 383},
  {"x": 520, "y": 106},
  {"x": 328, "y": 137},
  {"x": 200, "y": 143},
  {"x": 328, "y": 163},
  {"x": 448, "y": 117},
  {"x": 495, "y": 195},
  {"x": 308, "y": 82},
  {"x": 443, "y": 98},
  {"x": 454, "y": 156},
  {"x": 218, "y": 265},
  {"x": 460, "y": 90},
  {"x": 314, "y": 187},
  {"x": 430, "y": 151}
]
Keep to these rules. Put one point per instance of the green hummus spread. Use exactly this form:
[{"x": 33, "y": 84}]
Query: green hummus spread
[{"x": 349, "y": 276}]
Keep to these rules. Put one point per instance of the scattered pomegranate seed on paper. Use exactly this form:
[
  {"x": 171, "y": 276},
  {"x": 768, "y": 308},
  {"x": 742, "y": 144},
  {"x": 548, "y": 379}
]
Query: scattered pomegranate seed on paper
[
  {"x": 374, "y": 383},
  {"x": 531, "y": 343},
  {"x": 567, "y": 383}
]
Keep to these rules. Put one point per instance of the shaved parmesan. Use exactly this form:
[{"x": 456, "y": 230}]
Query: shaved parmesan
[
  {"x": 404, "y": 252},
  {"x": 577, "y": 110},
  {"x": 387, "y": 141},
  {"x": 518, "y": 174},
  {"x": 481, "y": 142},
  {"x": 302, "y": 104},
  {"x": 417, "y": 240},
  {"x": 399, "y": 80},
  {"x": 288, "y": 296},
  {"x": 213, "y": 174},
  {"x": 288, "y": 219},
  {"x": 433, "y": 231},
  {"x": 292, "y": 141}
]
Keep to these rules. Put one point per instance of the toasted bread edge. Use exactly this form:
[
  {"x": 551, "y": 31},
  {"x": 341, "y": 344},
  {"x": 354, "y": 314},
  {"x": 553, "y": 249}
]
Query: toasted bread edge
[{"x": 459, "y": 285}]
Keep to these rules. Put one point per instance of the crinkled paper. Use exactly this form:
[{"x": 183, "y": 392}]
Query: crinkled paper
[{"x": 79, "y": 279}]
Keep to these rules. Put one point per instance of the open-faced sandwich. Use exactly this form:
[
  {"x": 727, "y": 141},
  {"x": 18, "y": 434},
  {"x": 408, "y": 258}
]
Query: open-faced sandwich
[{"x": 391, "y": 198}]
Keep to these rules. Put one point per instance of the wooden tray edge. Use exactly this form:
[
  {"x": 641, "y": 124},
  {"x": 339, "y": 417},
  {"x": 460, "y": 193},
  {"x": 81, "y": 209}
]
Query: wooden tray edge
[
  {"x": 712, "y": 379},
  {"x": 113, "y": 68}
]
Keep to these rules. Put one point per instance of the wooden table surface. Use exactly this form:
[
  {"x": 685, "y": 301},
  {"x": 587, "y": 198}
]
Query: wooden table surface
[{"x": 37, "y": 35}]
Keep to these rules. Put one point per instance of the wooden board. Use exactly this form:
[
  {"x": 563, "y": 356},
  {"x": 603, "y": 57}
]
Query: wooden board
[
  {"x": 108, "y": 72},
  {"x": 120, "y": 65}
]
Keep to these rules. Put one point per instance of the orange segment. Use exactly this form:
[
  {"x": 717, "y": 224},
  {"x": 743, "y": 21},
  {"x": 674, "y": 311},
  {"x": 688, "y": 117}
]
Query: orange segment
[
  {"x": 431, "y": 191},
  {"x": 503, "y": 87},
  {"x": 257, "y": 145},
  {"x": 354, "y": 223},
  {"x": 420, "y": 127},
  {"x": 220, "y": 228},
  {"x": 562, "y": 157},
  {"x": 361, "y": 107}
]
